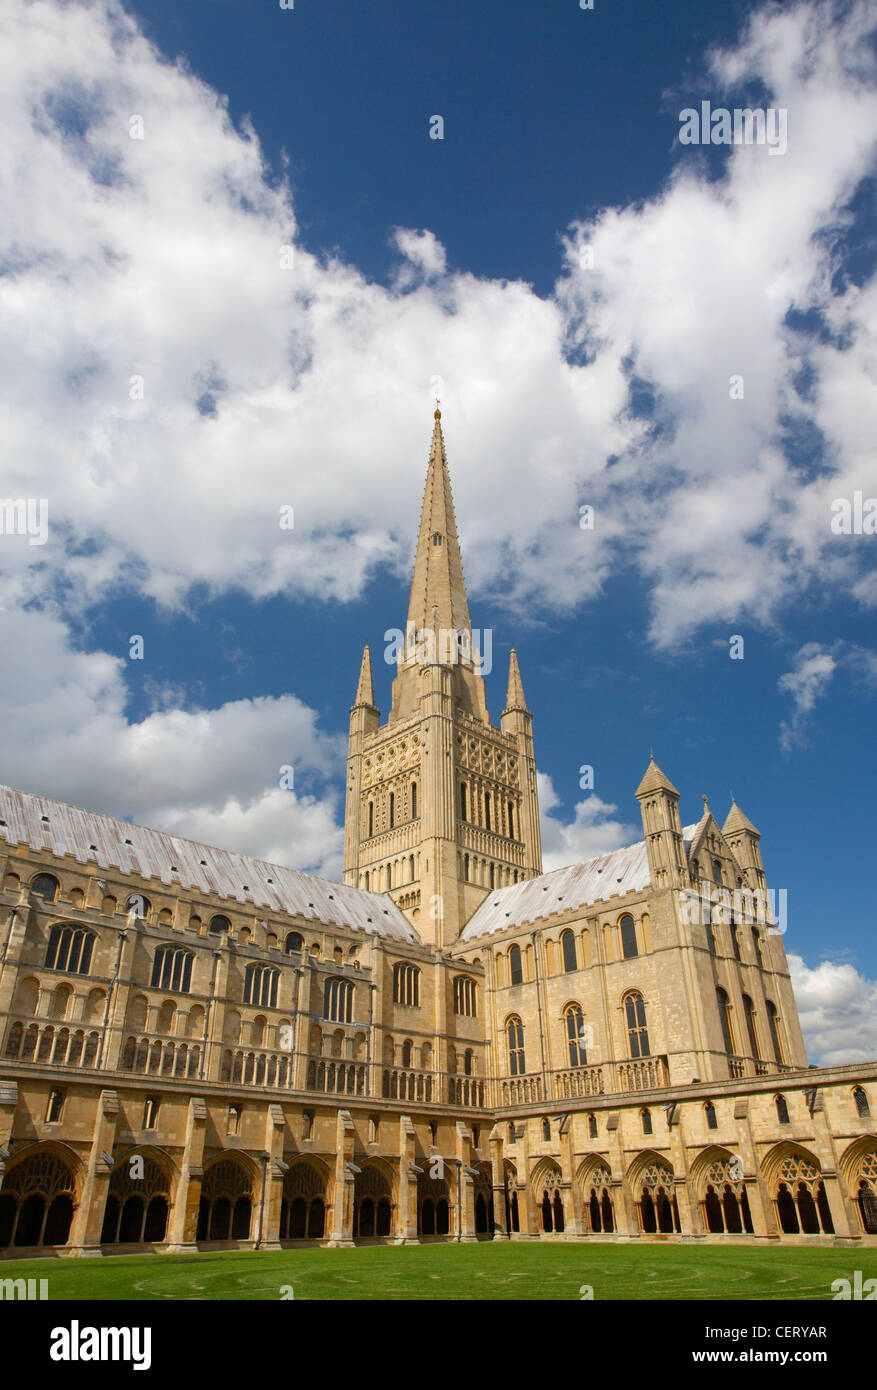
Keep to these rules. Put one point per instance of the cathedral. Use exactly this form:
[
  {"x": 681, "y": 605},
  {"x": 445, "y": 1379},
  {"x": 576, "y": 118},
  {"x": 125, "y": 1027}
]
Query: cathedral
[{"x": 201, "y": 1050}]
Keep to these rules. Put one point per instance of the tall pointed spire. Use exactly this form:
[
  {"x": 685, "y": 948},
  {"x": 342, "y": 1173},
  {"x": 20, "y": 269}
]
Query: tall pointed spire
[
  {"x": 515, "y": 697},
  {"x": 365, "y": 691},
  {"x": 438, "y": 590}
]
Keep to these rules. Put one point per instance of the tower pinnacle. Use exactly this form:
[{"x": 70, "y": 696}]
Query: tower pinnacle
[{"x": 365, "y": 691}]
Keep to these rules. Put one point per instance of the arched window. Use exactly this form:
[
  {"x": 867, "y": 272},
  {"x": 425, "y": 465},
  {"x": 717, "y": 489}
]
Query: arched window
[
  {"x": 392, "y": 809},
  {"x": 568, "y": 947},
  {"x": 139, "y": 905},
  {"x": 773, "y": 1023},
  {"x": 465, "y": 868},
  {"x": 414, "y": 801},
  {"x": 172, "y": 969},
  {"x": 709, "y": 1110},
  {"x": 516, "y": 972},
  {"x": 45, "y": 886},
  {"x": 492, "y": 876},
  {"x": 782, "y": 1110},
  {"x": 233, "y": 1120},
  {"x": 756, "y": 946},
  {"x": 150, "y": 1112},
  {"x": 406, "y": 985},
  {"x": 406, "y": 1052},
  {"x": 735, "y": 941},
  {"x": 515, "y": 1034},
  {"x": 371, "y": 819},
  {"x": 464, "y": 996},
  {"x": 592, "y": 1126},
  {"x": 695, "y": 869},
  {"x": 637, "y": 1032},
  {"x": 628, "y": 937},
  {"x": 575, "y": 1036},
  {"x": 487, "y": 824},
  {"x": 260, "y": 985},
  {"x": 219, "y": 925},
  {"x": 55, "y": 1108},
  {"x": 725, "y": 1016},
  {"x": 338, "y": 1000},
  {"x": 462, "y": 801},
  {"x": 546, "y": 1130},
  {"x": 294, "y": 942},
  {"x": 511, "y": 811},
  {"x": 861, "y": 1100},
  {"x": 70, "y": 949},
  {"x": 646, "y": 1117},
  {"x": 468, "y": 1061},
  {"x": 751, "y": 1026},
  {"x": 717, "y": 873}
]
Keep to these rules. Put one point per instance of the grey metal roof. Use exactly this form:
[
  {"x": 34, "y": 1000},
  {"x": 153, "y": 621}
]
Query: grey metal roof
[
  {"x": 184, "y": 864},
  {"x": 563, "y": 890}
]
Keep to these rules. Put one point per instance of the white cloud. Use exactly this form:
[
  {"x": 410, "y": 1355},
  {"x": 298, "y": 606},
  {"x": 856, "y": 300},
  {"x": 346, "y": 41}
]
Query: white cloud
[
  {"x": 210, "y": 774},
  {"x": 592, "y": 831},
  {"x": 161, "y": 258},
  {"x": 838, "y": 1011},
  {"x": 806, "y": 683}
]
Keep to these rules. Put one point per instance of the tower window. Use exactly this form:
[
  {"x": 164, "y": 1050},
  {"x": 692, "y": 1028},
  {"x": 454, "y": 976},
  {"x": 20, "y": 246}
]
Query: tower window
[
  {"x": 392, "y": 810},
  {"x": 515, "y": 967},
  {"x": 414, "y": 801},
  {"x": 462, "y": 801},
  {"x": 437, "y": 539},
  {"x": 487, "y": 810},
  {"x": 371, "y": 819},
  {"x": 628, "y": 937}
]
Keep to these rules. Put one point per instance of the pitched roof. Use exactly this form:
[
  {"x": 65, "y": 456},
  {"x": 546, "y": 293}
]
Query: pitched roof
[
  {"x": 654, "y": 780},
  {"x": 737, "y": 820},
  {"x": 563, "y": 890},
  {"x": 185, "y": 864}
]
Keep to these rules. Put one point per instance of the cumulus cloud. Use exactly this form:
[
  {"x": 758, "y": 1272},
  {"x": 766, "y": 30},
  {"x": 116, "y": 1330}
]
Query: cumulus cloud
[
  {"x": 592, "y": 831},
  {"x": 179, "y": 370},
  {"x": 162, "y": 327},
  {"x": 209, "y": 774},
  {"x": 838, "y": 1011},
  {"x": 814, "y": 667}
]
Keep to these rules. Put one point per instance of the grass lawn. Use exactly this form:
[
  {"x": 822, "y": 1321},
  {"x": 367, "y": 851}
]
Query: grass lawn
[{"x": 501, "y": 1270}]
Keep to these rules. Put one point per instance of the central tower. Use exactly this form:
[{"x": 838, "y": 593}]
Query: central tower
[{"x": 441, "y": 803}]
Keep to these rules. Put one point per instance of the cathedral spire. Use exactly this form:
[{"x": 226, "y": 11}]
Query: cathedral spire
[
  {"x": 365, "y": 691},
  {"x": 438, "y": 590},
  {"x": 515, "y": 697}
]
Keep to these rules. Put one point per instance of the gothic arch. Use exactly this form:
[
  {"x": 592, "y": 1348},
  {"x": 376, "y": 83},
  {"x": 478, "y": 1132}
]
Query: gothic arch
[
  {"x": 546, "y": 1180},
  {"x": 227, "y": 1198},
  {"x": 594, "y": 1178},
  {"x": 41, "y": 1190},
  {"x": 137, "y": 1209},
  {"x": 305, "y": 1205},
  {"x": 374, "y": 1199},
  {"x": 794, "y": 1179},
  {"x": 720, "y": 1189},
  {"x": 857, "y": 1169},
  {"x": 651, "y": 1182}
]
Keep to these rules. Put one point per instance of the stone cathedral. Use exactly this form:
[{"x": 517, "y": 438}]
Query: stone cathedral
[{"x": 203, "y": 1050}]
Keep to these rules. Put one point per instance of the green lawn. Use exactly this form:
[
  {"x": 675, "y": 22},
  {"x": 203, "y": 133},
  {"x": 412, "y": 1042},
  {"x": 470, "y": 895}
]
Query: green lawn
[{"x": 501, "y": 1270}]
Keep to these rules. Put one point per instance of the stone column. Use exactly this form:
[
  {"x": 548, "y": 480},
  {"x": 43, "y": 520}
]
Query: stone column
[
  {"x": 342, "y": 1207},
  {"x": 406, "y": 1214},
  {"x": 89, "y": 1216},
  {"x": 183, "y": 1220}
]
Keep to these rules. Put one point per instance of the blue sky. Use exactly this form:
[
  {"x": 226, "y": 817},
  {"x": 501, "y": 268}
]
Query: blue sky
[{"x": 579, "y": 288}]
